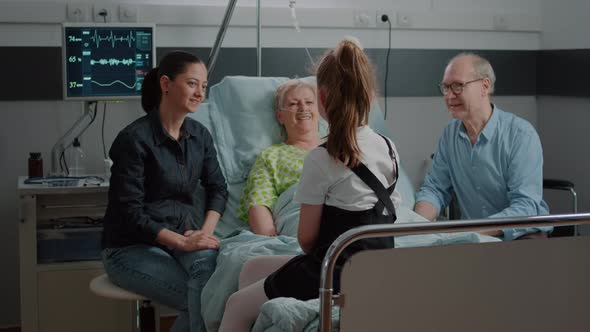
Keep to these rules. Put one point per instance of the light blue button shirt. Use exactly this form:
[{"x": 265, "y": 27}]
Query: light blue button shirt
[{"x": 501, "y": 175}]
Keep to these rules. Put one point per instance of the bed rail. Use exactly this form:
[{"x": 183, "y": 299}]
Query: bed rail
[{"x": 327, "y": 298}]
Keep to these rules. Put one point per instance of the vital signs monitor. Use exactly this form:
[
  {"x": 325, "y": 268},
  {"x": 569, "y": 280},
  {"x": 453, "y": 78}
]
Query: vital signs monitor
[{"x": 106, "y": 61}]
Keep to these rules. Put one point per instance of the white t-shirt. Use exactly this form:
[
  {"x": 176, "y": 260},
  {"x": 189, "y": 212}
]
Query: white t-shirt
[{"x": 327, "y": 181}]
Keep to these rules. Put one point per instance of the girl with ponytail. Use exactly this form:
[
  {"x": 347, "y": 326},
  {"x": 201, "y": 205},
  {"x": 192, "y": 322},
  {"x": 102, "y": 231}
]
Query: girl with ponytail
[{"x": 347, "y": 182}]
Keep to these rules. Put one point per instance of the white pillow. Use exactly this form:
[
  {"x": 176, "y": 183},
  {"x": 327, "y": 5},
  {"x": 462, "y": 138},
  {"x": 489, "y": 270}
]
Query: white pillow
[
  {"x": 404, "y": 185},
  {"x": 241, "y": 119}
]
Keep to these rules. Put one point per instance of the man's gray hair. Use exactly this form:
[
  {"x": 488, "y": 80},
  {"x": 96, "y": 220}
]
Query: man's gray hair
[{"x": 482, "y": 67}]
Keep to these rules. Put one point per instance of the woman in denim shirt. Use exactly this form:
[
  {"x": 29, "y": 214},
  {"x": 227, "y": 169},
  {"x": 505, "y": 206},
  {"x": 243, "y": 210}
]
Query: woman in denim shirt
[{"x": 153, "y": 242}]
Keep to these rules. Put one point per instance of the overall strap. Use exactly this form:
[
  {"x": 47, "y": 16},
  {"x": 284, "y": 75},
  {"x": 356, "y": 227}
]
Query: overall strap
[
  {"x": 395, "y": 164},
  {"x": 379, "y": 205},
  {"x": 382, "y": 194},
  {"x": 371, "y": 180}
]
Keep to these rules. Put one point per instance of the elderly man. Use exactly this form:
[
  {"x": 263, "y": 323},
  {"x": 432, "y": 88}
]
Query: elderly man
[{"x": 492, "y": 160}]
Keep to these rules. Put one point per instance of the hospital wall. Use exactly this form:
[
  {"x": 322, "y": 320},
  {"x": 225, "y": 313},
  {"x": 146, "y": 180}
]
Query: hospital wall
[
  {"x": 415, "y": 121},
  {"x": 564, "y": 117}
]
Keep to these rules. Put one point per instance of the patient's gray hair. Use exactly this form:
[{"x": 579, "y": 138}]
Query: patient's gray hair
[
  {"x": 282, "y": 91},
  {"x": 288, "y": 86},
  {"x": 482, "y": 67}
]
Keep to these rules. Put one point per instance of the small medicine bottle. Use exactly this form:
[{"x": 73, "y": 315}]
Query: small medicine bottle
[{"x": 35, "y": 165}]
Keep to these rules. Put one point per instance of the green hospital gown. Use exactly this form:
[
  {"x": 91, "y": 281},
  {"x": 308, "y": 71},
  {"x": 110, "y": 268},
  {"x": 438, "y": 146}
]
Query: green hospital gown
[{"x": 276, "y": 169}]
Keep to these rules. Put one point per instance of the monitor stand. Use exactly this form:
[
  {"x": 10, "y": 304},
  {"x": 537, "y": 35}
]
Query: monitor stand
[{"x": 66, "y": 140}]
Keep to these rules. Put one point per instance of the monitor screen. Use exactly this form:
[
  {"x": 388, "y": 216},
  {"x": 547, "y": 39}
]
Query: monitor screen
[{"x": 106, "y": 61}]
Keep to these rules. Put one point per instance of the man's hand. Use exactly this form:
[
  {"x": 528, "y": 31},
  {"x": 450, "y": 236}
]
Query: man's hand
[
  {"x": 497, "y": 233},
  {"x": 426, "y": 210}
]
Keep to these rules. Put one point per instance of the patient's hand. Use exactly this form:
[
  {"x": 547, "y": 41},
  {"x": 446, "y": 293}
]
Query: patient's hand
[
  {"x": 267, "y": 232},
  {"x": 199, "y": 240},
  {"x": 263, "y": 228}
]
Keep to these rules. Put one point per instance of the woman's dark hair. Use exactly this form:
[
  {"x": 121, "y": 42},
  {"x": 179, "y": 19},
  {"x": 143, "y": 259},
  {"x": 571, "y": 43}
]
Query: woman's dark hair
[{"x": 171, "y": 65}]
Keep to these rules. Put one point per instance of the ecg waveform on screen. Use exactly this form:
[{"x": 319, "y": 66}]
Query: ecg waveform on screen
[
  {"x": 111, "y": 38},
  {"x": 105, "y": 61},
  {"x": 112, "y": 62},
  {"x": 115, "y": 82}
]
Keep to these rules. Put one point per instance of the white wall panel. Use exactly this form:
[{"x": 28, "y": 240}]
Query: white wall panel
[
  {"x": 13, "y": 34},
  {"x": 523, "y": 6},
  {"x": 190, "y": 36},
  {"x": 565, "y": 24},
  {"x": 459, "y": 18},
  {"x": 564, "y": 121}
]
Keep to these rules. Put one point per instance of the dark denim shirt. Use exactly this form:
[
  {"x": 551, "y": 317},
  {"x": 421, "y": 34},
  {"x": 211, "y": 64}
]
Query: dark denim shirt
[{"x": 155, "y": 180}]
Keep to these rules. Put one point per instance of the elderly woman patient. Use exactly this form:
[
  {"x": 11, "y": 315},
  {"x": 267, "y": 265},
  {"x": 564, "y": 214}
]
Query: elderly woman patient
[{"x": 279, "y": 166}]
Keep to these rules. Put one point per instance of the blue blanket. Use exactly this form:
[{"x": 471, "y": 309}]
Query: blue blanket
[
  {"x": 240, "y": 246},
  {"x": 234, "y": 251},
  {"x": 285, "y": 314},
  {"x": 288, "y": 314}
]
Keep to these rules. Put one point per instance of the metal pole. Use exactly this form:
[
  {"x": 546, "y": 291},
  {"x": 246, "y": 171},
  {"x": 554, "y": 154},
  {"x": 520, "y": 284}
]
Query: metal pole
[
  {"x": 575, "y": 207},
  {"x": 220, "y": 35},
  {"x": 258, "y": 48}
]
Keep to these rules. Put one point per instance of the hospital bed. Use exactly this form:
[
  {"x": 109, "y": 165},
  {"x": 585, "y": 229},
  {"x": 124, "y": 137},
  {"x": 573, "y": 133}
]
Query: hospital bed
[
  {"x": 241, "y": 120},
  {"x": 529, "y": 285}
]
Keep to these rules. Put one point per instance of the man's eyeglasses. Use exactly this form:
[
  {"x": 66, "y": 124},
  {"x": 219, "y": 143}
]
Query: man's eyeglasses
[{"x": 456, "y": 87}]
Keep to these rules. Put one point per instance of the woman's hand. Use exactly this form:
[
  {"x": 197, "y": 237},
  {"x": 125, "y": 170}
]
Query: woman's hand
[
  {"x": 189, "y": 241},
  {"x": 199, "y": 240},
  {"x": 211, "y": 219}
]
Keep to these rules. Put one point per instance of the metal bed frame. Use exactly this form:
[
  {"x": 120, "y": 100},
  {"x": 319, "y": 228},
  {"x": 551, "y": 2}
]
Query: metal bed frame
[
  {"x": 229, "y": 11},
  {"x": 532, "y": 285}
]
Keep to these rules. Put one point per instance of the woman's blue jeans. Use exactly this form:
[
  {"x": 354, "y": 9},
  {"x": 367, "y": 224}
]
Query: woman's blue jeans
[{"x": 170, "y": 277}]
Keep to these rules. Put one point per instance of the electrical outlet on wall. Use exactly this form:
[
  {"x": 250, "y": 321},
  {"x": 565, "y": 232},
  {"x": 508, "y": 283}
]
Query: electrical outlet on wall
[
  {"x": 103, "y": 12},
  {"x": 361, "y": 19},
  {"x": 500, "y": 22},
  {"x": 404, "y": 20},
  {"x": 127, "y": 13},
  {"x": 379, "y": 18},
  {"x": 77, "y": 12}
]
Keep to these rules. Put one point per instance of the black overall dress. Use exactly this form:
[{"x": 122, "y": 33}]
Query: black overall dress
[{"x": 300, "y": 277}]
